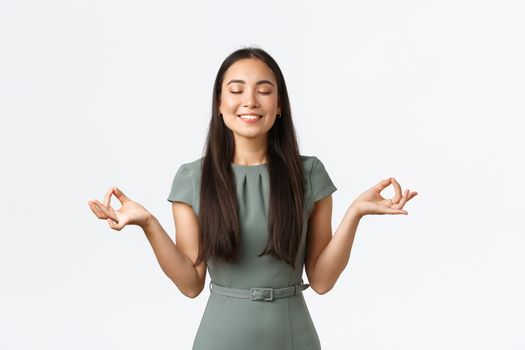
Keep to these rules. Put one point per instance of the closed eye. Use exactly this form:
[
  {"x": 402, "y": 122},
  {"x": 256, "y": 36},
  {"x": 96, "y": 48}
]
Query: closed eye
[{"x": 261, "y": 92}]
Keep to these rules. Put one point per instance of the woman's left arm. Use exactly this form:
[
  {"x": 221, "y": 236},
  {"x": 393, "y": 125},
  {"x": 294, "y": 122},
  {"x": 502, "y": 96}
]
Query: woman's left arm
[{"x": 327, "y": 256}]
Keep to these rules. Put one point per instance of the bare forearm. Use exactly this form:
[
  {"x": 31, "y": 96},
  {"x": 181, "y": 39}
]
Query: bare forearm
[
  {"x": 175, "y": 263},
  {"x": 334, "y": 258}
]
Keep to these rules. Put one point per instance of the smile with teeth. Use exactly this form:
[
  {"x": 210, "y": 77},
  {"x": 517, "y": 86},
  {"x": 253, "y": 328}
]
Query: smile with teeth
[{"x": 249, "y": 116}]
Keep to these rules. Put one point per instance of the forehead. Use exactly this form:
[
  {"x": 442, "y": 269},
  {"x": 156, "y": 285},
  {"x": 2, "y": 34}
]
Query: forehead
[{"x": 249, "y": 70}]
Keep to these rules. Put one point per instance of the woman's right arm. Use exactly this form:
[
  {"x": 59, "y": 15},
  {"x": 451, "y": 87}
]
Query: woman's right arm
[{"x": 176, "y": 259}]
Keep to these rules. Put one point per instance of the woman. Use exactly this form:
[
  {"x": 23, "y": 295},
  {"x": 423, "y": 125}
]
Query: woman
[{"x": 253, "y": 212}]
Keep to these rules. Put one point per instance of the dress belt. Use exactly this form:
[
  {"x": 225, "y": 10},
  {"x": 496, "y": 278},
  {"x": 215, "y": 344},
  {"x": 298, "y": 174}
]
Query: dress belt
[{"x": 259, "y": 294}]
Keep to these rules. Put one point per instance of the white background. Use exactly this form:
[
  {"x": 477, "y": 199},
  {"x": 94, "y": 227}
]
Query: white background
[{"x": 95, "y": 94}]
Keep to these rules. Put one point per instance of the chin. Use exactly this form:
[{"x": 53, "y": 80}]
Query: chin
[{"x": 251, "y": 135}]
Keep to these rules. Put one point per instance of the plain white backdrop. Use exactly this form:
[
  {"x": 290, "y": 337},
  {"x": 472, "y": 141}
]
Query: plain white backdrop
[{"x": 95, "y": 94}]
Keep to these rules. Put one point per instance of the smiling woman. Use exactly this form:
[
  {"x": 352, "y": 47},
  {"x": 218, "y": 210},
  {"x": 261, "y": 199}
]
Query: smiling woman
[
  {"x": 254, "y": 213},
  {"x": 249, "y": 94}
]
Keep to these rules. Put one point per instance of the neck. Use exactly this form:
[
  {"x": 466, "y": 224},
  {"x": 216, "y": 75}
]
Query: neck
[{"x": 250, "y": 151}]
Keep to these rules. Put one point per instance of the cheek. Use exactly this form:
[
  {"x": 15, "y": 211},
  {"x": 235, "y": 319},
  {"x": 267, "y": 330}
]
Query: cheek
[
  {"x": 228, "y": 101},
  {"x": 271, "y": 103}
]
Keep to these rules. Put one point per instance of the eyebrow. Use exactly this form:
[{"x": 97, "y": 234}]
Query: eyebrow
[{"x": 243, "y": 82}]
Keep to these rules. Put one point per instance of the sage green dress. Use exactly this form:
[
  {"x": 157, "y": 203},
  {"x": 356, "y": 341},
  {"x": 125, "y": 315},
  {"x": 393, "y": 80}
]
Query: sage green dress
[{"x": 230, "y": 323}]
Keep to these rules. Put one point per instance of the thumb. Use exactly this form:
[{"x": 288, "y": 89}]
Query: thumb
[
  {"x": 116, "y": 226},
  {"x": 396, "y": 211}
]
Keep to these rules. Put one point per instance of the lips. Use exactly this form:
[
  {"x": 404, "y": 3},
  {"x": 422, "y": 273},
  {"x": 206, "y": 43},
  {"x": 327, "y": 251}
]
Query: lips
[
  {"x": 254, "y": 118},
  {"x": 240, "y": 115}
]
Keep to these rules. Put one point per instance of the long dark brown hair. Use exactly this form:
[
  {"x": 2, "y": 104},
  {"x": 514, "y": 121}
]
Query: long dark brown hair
[{"x": 218, "y": 215}]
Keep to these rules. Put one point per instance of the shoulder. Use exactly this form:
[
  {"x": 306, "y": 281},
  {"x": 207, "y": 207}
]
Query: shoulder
[
  {"x": 319, "y": 183},
  {"x": 309, "y": 163},
  {"x": 188, "y": 173},
  {"x": 192, "y": 167}
]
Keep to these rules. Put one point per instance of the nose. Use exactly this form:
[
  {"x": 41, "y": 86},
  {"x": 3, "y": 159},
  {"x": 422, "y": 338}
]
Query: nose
[{"x": 251, "y": 99}]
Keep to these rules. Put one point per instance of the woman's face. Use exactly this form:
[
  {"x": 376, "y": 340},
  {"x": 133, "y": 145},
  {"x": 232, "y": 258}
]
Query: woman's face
[{"x": 249, "y": 88}]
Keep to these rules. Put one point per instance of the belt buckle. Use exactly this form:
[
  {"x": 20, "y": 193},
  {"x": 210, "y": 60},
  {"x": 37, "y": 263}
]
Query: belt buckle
[{"x": 264, "y": 294}]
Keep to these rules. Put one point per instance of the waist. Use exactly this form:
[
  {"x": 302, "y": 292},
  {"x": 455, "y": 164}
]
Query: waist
[{"x": 259, "y": 293}]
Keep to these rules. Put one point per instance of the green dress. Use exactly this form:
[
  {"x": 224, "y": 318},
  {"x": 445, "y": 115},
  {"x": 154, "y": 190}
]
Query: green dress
[{"x": 231, "y": 323}]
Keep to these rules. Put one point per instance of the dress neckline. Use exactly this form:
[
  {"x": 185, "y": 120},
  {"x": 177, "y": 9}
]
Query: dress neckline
[{"x": 248, "y": 166}]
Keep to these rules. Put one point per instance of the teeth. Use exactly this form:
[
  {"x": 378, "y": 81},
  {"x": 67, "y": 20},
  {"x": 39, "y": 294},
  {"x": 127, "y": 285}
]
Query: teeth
[{"x": 247, "y": 116}]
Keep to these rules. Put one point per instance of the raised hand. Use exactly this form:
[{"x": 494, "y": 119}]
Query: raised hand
[
  {"x": 371, "y": 201},
  {"x": 131, "y": 212}
]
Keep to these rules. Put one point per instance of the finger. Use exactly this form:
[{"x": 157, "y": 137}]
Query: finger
[
  {"x": 412, "y": 195},
  {"x": 381, "y": 185},
  {"x": 120, "y": 195},
  {"x": 116, "y": 226},
  {"x": 100, "y": 208},
  {"x": 396, "y": 211},
  {"x": 397, "y": 187},
  {"x": 106, "y": 211},
  {"x": 94, "y": 208},
  {"x": 113, "y": 225},
  {"x": 403, "y": 199},
  {"x": 107, "y": 197}
]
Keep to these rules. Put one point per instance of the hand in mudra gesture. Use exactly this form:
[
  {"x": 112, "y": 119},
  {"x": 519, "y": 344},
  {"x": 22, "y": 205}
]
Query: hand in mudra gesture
[
  {"x": 131, "y": 213},
  {"x": 371, "y": 201}
]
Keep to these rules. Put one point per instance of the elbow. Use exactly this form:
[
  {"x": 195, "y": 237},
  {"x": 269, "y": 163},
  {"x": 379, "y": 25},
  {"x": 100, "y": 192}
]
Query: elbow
[
  {"x": 319, "y": 289},
  {"x": 192, "y": 293}
]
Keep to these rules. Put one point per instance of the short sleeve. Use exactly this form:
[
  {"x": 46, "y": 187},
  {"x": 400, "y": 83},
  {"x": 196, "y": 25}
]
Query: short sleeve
[
  {"x": 320, "y": 182},
  {"x": 182, "y": 186}
]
